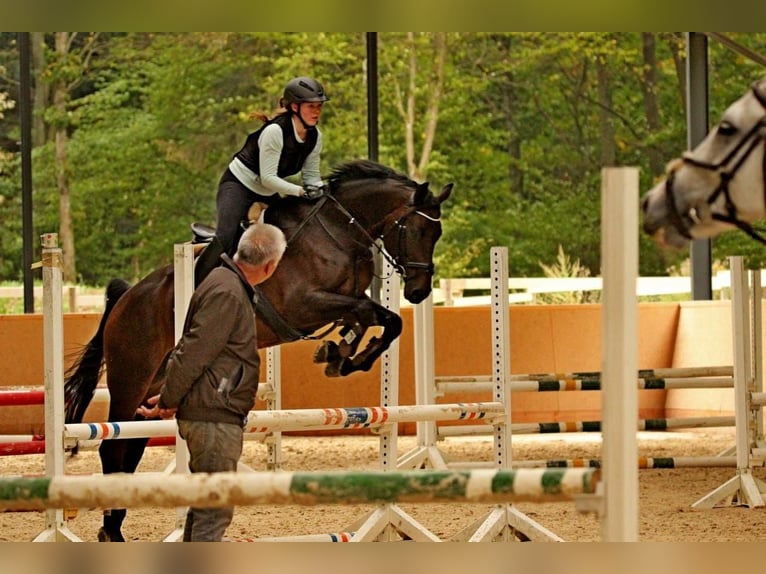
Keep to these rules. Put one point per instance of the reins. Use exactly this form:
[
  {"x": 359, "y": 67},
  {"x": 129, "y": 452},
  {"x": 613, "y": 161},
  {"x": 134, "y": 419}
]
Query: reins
[
  {"x": 398, "y": 266},
  {"x": 755, "y": 136}
]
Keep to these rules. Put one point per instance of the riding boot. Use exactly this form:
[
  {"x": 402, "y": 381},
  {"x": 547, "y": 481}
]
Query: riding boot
[
  {"x": 111, "y": 531},
  {"x": 255, "y": 213},
  {"x": 208, "y": 260}
]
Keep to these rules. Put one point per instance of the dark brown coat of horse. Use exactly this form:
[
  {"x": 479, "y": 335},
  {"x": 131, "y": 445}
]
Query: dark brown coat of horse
[{"x": 321, "y": 280}]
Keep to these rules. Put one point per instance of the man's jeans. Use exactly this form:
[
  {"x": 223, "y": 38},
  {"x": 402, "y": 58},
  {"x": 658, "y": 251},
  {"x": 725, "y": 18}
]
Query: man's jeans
[{"x": 213, "y": 447}]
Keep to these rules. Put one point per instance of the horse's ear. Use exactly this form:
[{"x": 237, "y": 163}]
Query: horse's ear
[
  {"x": 445, "y": 193},
  {"x": 421, "y": 192}
]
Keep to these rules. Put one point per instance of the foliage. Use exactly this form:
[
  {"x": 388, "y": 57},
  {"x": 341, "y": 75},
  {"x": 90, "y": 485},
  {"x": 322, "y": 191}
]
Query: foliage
[
  {"x": 525, "y": 123},
  {"x": 565, "y": 266}
]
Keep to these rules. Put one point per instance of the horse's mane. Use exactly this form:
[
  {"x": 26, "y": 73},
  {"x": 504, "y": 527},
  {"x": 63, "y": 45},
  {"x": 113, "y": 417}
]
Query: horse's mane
[{"x": 365, "y": 169}]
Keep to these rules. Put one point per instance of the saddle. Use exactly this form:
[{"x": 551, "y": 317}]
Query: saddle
[{"x": 202, "y": 232}]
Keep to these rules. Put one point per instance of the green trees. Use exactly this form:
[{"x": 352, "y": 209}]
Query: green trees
[{"x": 134, "y": 130}]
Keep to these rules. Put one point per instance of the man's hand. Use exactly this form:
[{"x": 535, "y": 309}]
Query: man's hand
[
  {"x": 155, "y": 411},
  {"x": 312, "y": 192}
]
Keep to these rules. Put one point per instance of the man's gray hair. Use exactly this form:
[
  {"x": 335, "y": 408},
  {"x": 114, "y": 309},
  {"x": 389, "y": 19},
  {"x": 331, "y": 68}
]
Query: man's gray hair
[{"x": 261, "y": 243}]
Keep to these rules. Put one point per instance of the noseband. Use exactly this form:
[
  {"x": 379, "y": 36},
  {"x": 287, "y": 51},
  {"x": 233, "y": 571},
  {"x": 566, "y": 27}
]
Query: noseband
[{"x": 726, "y": 168}]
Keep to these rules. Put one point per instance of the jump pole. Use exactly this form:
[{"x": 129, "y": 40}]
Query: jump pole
[
  {"x": 53, "y": 343},
  {"x": 213, "y": 490},
  {"x": 619, "y": 262}
]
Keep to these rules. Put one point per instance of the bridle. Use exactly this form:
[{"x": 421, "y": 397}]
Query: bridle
[
  {"x": 726, "y": 169},
  {"x": 400, "y": 225},
  {"x": 399, "y": 261}
]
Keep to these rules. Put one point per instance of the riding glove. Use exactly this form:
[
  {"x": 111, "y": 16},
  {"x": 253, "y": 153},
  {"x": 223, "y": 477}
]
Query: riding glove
[{"x": 312, "y": 192}]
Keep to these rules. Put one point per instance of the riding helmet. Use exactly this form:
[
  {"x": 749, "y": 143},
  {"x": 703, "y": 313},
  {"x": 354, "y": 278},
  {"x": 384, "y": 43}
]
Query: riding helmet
[{"x": 303, "y": 89}]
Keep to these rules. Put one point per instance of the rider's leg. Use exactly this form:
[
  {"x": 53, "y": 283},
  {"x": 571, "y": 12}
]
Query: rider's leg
[{"x": 232, "y": 203}]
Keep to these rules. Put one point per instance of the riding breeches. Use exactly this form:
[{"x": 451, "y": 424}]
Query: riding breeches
[{"x": 233, "y": 201}]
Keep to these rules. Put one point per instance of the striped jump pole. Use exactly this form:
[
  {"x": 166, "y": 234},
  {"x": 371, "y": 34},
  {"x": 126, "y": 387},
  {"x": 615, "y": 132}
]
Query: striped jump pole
[
  {"x": 655, "y": 425},
  {"x": 16, "y": 448},
  {"x": 303, "y": 488},
  {"x": 644, "y": 462},
  {"x": 299, "y": 420},
  {"x": 648, "y": 379}
]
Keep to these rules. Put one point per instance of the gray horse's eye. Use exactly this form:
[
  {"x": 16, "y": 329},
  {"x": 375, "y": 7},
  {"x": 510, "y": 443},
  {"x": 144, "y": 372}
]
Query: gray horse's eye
[{"x": 726, "y": 128}]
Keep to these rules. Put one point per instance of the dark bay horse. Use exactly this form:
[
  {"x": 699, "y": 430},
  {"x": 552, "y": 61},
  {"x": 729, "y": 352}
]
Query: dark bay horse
[
  {"x": 720, "y": 184},
  {"x": 321, "y": 281}
]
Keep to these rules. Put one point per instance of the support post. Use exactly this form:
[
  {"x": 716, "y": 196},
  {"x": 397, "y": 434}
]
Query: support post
[
  {"x": 619, "y": 263},
  {"x": 503, "y": 522},
  {"x": 388, "y": 522},
  {"x": 183, "y": 282},
  {"x": 53, "y": 341},
  {"x": 743, "y": 489}
]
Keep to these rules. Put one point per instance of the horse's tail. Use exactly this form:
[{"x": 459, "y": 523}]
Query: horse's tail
[{"x": 82, "y": 377}]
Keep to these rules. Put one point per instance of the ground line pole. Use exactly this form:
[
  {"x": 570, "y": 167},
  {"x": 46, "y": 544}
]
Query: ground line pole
[{"x": 619, "y": 261}]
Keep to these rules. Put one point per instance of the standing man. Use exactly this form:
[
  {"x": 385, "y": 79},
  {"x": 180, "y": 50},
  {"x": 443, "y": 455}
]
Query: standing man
[{"x": 212, "y": 373}]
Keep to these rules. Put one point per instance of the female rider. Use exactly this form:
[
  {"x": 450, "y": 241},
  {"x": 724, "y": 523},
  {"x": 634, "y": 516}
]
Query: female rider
[{"x": 285, "y": 145}]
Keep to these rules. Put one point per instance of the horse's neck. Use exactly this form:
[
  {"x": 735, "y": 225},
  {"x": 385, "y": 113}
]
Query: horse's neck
[{"x": 372, "y": 204}]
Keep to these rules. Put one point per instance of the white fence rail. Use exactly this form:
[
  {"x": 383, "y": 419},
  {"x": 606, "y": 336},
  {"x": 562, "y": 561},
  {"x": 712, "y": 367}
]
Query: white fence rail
[
  {"x": 75, "y": 298},
  {"x": 454, "y": 291}
]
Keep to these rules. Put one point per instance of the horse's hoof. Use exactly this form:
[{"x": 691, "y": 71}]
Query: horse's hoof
[
  {"x": 103, "y": 536},
  {"x": 327, "y": 352},
  {"x": 333, "y": 369}
]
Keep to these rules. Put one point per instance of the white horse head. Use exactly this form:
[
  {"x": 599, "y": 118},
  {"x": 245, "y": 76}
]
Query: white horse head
[{"x": 717, "y": 186}]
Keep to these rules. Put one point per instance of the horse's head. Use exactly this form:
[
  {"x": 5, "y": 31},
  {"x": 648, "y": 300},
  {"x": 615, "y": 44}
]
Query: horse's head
[
  {"x": 718, "y": 185},
  {"x": 410, "y": 236}
]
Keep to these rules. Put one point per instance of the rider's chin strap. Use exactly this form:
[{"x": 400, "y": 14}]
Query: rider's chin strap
[{"x": 300, "y": 117}]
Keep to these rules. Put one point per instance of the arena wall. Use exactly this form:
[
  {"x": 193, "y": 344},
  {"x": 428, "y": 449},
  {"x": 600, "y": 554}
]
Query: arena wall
[{"x": 544, "y": 339}]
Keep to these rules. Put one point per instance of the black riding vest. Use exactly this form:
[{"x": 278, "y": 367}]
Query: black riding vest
[{"x": 293, "y": 154}]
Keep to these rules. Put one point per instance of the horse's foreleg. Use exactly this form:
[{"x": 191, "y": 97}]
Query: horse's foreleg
[{"x": 349, "y": 361}]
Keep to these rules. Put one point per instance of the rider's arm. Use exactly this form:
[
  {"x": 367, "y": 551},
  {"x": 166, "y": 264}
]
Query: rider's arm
[
  {"x": 270, "y": 144},
  {"x": 310, "y": 172}
]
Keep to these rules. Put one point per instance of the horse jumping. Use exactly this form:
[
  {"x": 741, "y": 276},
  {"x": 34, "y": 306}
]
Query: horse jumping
[
  {"x": 320, "y": 282},
  {"x": 717, "y": 186}
]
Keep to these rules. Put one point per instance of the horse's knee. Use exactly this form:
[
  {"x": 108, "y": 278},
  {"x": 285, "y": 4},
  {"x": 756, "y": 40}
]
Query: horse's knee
[{"x": 392, "y": 326}]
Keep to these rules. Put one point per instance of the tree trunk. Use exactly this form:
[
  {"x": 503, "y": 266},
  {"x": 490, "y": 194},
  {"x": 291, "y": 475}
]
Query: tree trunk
[
  {"x": 606, "y": 127},
  {"x": 515, "y": 173},
  {"x": 677, "y": 44},
  {"x": 66, "y": 230},
  {"x": 406, "y": 104},
  {"x": 434, "y": 100},
  {"x": 39, "y": 136},
  {"x": 649, "y": 84}
]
